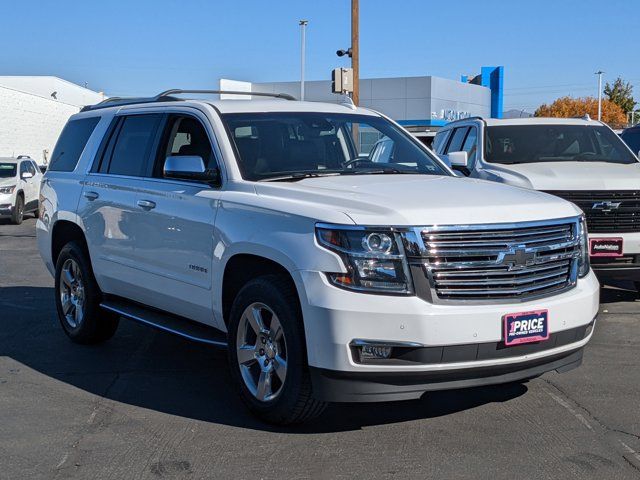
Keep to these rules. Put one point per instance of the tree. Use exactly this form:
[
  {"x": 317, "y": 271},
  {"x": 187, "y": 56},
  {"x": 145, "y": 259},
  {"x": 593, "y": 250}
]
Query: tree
[
  {"x": 620, "y": 93},
  {"x": 568, "y": 107}
]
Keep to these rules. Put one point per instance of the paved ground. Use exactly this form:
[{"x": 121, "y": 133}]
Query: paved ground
[{"x": 149, "y": 405}]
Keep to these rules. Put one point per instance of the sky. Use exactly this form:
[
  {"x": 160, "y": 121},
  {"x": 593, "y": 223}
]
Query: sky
[{"x": 549, "y": 48}]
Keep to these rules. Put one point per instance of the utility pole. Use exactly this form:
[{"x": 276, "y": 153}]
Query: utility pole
[
  {"x": 303, "y": 40},
  {"x": 599, "y": 73},
  {"x": 355, "y": 49}
]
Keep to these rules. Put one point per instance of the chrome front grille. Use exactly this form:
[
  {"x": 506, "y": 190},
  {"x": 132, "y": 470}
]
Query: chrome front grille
[{"x": 495, "y": 262}]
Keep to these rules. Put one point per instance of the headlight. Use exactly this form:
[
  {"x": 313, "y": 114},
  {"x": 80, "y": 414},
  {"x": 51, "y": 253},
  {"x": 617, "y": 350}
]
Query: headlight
[
  {"x": 583, "y": 262},
  {"x": 7, "y": 190},
  {"x": 374, "y": 259}
]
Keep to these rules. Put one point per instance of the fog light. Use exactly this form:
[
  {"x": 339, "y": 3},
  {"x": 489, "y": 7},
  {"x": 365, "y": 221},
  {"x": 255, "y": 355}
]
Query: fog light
[{"x": 375, "y": 352}]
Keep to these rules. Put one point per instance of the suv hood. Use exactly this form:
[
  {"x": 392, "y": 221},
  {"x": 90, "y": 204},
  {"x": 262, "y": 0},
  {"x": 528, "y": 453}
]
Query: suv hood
[
  {"x": 571, "y": 175},
  {"x": 5, "y": 182},
  {"x": 404, "y": 200}
]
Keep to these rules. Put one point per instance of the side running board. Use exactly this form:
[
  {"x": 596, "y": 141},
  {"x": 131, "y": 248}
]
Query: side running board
[{"x": 167, "y": 322}]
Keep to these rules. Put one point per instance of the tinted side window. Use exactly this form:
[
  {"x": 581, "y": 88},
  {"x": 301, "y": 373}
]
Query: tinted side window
[
  {"x": 129, "y": 154},
  {"x": 632, "y": 138},
  {"x": 459, "y": 134},
  {"x": 470, "y": 146},
  {"x": 184, "y": 135},
  {"x": 71, "y": 143},
  {"x": 439, "y": 141},
  {"x": 24, "y": 167}
]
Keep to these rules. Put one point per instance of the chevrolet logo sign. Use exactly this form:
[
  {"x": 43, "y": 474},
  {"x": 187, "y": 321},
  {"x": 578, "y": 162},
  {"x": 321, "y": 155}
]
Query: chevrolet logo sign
[
  {"x": 605, "y": 206},
  {"x": 518, "y": 258}
]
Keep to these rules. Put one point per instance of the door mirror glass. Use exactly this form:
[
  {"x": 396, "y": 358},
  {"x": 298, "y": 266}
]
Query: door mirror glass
[
  {"x": 26, "y": 175},
  {"x": 457, "y": 159},
  {"x": 189, "y": 167}
]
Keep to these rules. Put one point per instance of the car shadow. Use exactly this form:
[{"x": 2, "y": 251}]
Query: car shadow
[
  {"x": 151, "y": 369},
  {"x": 613, "y": 292}
]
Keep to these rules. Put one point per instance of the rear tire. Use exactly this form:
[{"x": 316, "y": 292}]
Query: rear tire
[
  {"x": 266, "y": 332},
  {"x": 18, "y": 210},
  {"x": 78, "y": 298}
]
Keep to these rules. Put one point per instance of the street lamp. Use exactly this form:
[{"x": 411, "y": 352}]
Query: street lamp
[
  {"x": 303, "y": 40},
  {"x": 599, "y": 73}
]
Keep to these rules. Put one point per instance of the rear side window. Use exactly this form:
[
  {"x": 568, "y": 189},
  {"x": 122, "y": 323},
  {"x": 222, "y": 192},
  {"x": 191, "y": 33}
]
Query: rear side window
[
  {"x": 130, "y": 146},
  {"x": 71, "y": 143}
]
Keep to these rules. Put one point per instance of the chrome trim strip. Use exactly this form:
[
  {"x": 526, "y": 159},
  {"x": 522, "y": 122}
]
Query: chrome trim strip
[{"x": 383, "y": 343}]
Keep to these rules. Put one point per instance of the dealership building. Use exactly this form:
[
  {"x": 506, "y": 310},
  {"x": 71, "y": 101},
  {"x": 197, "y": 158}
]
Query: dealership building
[
  {"x": 33, "y": 111},
  {"x": 422, "y": 104}
]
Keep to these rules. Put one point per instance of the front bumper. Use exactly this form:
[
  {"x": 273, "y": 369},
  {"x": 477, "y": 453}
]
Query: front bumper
[
  {"x": 6, "y": 205},
  {"x": 455, "y": 345},
  {"x": 333, "y": 386},
  {"x": 626, "y": 267}
]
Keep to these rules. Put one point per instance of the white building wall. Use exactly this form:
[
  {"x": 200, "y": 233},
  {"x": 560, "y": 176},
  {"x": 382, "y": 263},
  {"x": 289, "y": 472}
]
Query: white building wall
[
  {"x": 408, "y": 99},
  {"x": 45, "y": 86},
  {"x": 30, "y": 124}
]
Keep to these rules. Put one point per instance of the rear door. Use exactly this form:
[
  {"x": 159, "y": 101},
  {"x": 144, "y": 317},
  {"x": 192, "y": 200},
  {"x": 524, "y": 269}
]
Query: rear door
[
  {"x": 172, "y": 223},
  {"x": 107, "y": 203}
]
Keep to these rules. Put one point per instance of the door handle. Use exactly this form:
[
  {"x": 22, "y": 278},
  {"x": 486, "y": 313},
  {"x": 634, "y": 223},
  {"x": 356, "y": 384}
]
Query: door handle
[
  {"x": 91, "y": 196},
  {"x": 146, "y": 204}
]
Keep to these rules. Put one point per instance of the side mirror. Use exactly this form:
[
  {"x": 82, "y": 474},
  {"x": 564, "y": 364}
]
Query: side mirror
[
  {"x": 458, "y": 159},
  {"x": 26, "y": 175},
  {"x": 190, "y": 167}
]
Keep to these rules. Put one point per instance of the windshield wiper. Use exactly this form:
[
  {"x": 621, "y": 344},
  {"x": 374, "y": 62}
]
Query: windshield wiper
[
  {"x": 294, "y": 177},
  {"x": 379, "y": 171}
]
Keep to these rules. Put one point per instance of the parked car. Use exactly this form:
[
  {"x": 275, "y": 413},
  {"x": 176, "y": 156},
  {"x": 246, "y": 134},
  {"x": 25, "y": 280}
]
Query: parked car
[
  {"x": 582, "y": 161},
  {"x": 19, "y": 188},
  {"x": 259, "y": 226},
  {"x": 631, "y": 137}
]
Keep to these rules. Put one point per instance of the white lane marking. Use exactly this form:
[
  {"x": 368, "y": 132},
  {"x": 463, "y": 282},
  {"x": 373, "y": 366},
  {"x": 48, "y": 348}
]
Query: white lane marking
[{"x": 571, "y": 410}]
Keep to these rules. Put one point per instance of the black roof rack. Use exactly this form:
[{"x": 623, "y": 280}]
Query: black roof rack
[{"x": 167, "y": 96}]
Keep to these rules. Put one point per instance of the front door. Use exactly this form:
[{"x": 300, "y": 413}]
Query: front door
[{"x": 172, "y": 225}]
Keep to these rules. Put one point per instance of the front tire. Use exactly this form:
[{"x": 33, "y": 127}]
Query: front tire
[
  {"x": 267, "y": 352},
  {"x": 78, "y": 298},
  {"x": 18, "y": 211}
]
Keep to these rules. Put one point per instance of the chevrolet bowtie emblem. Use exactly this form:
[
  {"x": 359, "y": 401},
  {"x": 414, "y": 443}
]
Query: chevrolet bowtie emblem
[
  {"x": 518, "y": 258},
  {"x": 605, "y": 206}
]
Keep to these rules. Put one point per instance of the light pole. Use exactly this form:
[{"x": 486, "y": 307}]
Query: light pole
[
  {"x": 599, "y": 73},
  {"x": 355, "y": 49},
  {"x": 303, "y": 40}
]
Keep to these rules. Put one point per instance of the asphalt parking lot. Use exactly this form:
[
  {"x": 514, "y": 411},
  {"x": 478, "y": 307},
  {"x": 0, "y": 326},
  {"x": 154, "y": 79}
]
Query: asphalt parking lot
[{"x": 150, "y": 405}]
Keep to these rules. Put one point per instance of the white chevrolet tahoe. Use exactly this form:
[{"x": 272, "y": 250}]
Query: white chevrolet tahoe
[
  {"x": 263, "y": 227},
  {"x": 580, "y": 160},
  {"x": 19, "y": 188}
]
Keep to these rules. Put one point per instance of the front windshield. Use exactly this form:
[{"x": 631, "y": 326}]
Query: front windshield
[
  {"x": 7, "y": 170},
  {"x": 290, "y": 145},
  {"x": 511, "y": 144}
]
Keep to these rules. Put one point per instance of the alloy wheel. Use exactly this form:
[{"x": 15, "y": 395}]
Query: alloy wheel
[
  {"x": 72, "y": 293},
  {"x": 262, "y": 352}
]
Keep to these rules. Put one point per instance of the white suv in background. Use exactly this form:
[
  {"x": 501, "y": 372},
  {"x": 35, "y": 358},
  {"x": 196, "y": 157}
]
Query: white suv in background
[
  {"x": 263, "y": 227},
  {"x": 580, "y": 160},
  {"x": 19, "y": 188}
]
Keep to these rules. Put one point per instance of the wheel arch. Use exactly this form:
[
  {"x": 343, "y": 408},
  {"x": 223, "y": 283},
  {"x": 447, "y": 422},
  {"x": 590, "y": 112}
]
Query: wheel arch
[
  {"x": 240, "y": 268},
  {"x": 63, "y": 232}
]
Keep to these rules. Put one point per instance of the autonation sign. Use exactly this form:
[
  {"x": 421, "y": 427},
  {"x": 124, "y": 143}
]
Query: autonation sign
[{"x": 449, "y": 115}]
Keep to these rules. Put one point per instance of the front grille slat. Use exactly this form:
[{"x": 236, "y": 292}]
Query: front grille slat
[
  {"x": 495, "y": 263},
  {"x": 624, "y": 218}
]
